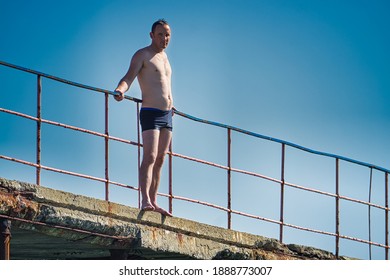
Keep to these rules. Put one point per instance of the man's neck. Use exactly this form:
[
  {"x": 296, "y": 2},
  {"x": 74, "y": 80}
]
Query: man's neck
[{"x": 156, "y": 49}]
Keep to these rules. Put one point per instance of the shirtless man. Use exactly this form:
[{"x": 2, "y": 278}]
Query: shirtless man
[{"x": 151, "y": 67}]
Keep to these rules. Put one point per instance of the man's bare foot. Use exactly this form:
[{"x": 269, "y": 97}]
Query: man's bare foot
[
  {"x": 162, "y": 211},
  {"x": 147, "y": 207}
]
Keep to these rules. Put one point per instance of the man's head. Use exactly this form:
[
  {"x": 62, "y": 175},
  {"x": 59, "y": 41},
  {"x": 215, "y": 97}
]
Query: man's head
[
  {"x": 160, "y": 34},
  {"x": 159, "y": 22}
]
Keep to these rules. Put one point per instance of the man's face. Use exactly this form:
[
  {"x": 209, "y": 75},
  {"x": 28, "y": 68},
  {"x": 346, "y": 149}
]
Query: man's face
[{"x": 161, "y": 36}]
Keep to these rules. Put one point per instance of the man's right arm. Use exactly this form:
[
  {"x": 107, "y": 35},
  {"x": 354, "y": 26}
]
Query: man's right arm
[{"x": 134, "y": 68}]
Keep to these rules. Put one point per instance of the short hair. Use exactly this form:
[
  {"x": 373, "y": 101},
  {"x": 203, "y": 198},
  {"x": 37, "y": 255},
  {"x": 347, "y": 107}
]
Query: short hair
[{"x": 159, "y": 22}]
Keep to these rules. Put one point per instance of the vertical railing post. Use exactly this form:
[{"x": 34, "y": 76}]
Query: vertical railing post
[
  {"x": 229, "y": 177},
  {"x": 282, "y": 193},
  {"x": 39, "y": 124},
  {"x": 387, "y": 214},
  {"x": 139, "y": 154},
  {"x": 369, "y": 215},
  {"x": 170, "y": 178},
  {"x": 5, "y": 239},
  {"x": 106, "y": 154},
  {"x": 337, "y": 209}
]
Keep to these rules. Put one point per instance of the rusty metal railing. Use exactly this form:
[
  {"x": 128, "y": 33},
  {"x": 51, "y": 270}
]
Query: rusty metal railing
[{"x": 228, "y": 167}]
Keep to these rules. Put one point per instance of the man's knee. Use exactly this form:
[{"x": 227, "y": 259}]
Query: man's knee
[
  {"x": 154, "y": 159},
  {"x": 159, "y": 161},
  {"x": 149, "y": 159}
]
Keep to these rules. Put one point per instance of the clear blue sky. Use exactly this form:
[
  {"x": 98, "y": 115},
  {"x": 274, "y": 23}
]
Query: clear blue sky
[{"x": 315, "y": 73}]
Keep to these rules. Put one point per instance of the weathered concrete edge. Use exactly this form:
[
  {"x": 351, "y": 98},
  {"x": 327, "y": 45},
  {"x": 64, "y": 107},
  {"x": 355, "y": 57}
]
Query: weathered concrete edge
[{"x": 144, "y": 229}]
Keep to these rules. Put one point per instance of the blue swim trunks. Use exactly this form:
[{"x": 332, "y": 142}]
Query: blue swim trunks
[{"x": 151, "y": 118}]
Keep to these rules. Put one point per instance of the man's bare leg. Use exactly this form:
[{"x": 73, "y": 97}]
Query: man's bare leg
[
  {"x": 150, "y": 139},
  {"x": 163, "y": 147}
]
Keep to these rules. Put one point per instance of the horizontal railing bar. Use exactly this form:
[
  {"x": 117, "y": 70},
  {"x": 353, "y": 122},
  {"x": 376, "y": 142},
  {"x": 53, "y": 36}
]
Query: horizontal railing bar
[
  {"x": 276, "y": 180},
  {"x": 66, "y": 81},
  {"x": 71, "y": 173},
  {"x": 226, "y": 167},
  {"x": 334, "y": 195},
  {"x": 197, "y": 202},
  {"x": 293, "y": 145},
  {"x": 70, "y": 127},
  {"x": 275, "y": 221},
  {"x": 63, "y": 227},
  {"x": 308, "y": 229},
  {"x": 333, "y": 234}
]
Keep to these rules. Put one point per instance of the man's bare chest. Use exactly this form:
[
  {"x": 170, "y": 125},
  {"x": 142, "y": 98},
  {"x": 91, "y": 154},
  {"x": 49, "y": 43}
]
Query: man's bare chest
[{"x": 158, "y": 66}]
